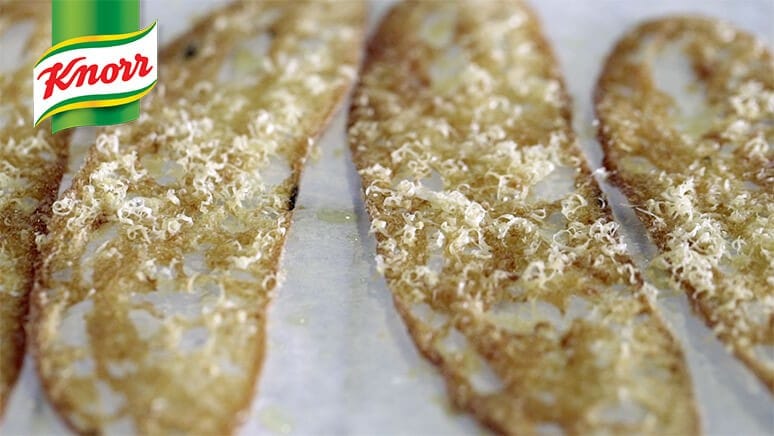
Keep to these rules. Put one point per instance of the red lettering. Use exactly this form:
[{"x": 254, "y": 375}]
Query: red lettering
[
  {"x": 142, "y": 61},
  {"x": 109, "y": 73},
  {"x": 55, "y": 79},
  {"x": 62, "y": 77},
  {"x": 126, "y": 66},
  {"x": 81, "y": 72}
]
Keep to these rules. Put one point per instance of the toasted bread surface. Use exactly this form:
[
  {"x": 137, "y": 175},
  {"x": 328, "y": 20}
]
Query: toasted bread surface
[
  {"x": 501, "y": 255},
  {"x": 701, "y": 180},
  {"x": 149, "y": 311},
  {"x": 31, "y": 164}
]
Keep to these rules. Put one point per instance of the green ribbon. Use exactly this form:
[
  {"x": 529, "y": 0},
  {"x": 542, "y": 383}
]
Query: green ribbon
[{"x": 73, "y": 18}]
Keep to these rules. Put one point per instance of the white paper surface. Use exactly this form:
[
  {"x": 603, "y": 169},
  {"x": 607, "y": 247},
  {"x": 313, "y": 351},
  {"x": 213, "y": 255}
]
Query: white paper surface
[{"x": 339, "y": 360}]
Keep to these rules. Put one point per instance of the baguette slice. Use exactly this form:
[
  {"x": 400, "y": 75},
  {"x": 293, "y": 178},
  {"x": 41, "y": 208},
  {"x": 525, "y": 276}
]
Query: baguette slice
[
  {"x": 149, "y": 310},
  {"x": 32, "y": 161},
  {"x": 501, "y": 255},
  {"x": 701, "y": 180}
]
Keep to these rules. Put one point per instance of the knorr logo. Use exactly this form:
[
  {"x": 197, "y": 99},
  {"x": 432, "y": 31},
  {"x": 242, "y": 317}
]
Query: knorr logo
[{"x": 94, "y": 79}]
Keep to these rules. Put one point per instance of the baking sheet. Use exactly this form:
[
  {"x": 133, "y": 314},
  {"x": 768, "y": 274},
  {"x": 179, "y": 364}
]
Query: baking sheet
[{"x": 339, "y": 360}]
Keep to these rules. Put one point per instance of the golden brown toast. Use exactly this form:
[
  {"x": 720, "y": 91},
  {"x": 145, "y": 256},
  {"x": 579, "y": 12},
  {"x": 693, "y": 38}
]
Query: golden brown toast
[
  {"x": 31, "y": 164},
  {"x": 702, "y": 180},
  {"x": 500, "y": 252},
  {"x": 149, "y": 310}
]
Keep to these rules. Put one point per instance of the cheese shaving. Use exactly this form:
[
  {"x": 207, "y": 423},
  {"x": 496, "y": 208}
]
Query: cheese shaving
[
  {"x": 31, "y": 165},
  {"x": 707, "y": 200},
  {"x": 166, "y": 248},
  {"x": 510, "y": 273}
]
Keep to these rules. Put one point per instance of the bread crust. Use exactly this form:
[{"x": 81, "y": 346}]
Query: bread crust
[
  {"x": 492, "y": 130},
  {"x": 32, "y": 161},
  {"x": 165, "y": 250},
  {"x": 724, "y": 181}
]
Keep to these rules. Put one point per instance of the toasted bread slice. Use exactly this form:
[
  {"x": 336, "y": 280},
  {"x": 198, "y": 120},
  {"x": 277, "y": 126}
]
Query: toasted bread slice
[
  {"x": 497, "y": 245},
  {"x": 31, "y": 164},
  {"x": 701, "y": 180},
  {"x": 149, "y": 309}
]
